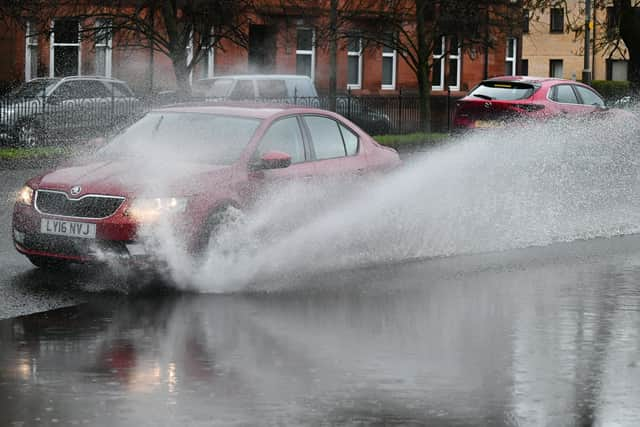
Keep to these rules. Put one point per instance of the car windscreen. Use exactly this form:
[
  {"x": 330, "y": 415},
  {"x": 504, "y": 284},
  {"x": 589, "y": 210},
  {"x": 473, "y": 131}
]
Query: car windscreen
[
  {"x": 503, "y": 91},
  {"x": 213, "y": 88},
  {"x": 34, "y": 88},
  {"x": 192, "y": 137}
]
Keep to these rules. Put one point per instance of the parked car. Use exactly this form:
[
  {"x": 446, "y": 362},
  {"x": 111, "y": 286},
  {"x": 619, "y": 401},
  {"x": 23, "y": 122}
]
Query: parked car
[
  {"x": 289, "y": 88},
  {"x": 496, "y": 101},
  {"x": 221, "y": 156},
  {"x": 63, "y": 107}
]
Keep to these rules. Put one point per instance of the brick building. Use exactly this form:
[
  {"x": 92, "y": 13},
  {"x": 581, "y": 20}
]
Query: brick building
[
  {"x": 277, "y": 44},
  {"x": 551, "y": 47}
]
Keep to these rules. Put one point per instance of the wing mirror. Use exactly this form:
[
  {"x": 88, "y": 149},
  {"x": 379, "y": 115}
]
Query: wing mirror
[{"x": 273, "y": 160}]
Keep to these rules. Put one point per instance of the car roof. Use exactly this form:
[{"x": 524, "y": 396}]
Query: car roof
[
  {"x": 259, "y": 76},
  {"x": 240, "y": 109},
  {"x": 528, "y": 79}
]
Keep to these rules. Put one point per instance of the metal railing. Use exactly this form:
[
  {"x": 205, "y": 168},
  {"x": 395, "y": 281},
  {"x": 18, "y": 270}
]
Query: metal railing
[{"x": 40, "y": 120}]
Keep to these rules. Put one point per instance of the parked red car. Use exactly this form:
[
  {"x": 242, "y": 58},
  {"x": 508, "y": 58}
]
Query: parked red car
[
  {"x": 189, "y": 163},
  {"x": 498, "y": 100}
]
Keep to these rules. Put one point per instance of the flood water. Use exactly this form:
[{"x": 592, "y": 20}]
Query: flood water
[{"x": 529, "y": 337}]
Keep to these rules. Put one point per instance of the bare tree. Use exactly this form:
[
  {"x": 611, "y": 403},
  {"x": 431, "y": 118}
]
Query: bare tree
[{"x": 183, "y": 30}]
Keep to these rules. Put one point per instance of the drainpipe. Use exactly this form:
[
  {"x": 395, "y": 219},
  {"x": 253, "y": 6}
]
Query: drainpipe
[{"x": 586, "y": 72}]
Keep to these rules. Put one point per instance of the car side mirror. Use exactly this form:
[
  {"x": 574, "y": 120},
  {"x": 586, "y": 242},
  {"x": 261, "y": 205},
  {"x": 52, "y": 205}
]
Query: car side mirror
[{"x": 274, "y": 160}]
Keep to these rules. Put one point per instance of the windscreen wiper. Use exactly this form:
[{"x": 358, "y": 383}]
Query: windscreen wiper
[{"x": 479, "y": 95}]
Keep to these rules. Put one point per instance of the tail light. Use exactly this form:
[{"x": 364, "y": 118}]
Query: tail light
[{"x": 530, "y": 107}]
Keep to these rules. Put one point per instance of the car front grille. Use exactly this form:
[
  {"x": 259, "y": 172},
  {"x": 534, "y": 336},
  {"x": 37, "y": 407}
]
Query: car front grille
[
  {"x": 71, "y": 246},
  {"x": 92, "y": 206}
]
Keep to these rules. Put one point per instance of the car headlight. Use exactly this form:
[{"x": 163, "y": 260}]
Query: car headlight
[
  {"x": 25, "y": 196},
  {"x": 149, "y": 210}
]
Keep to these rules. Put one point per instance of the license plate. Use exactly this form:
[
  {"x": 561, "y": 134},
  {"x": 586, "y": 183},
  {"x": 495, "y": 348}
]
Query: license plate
[
  {"x": 488, "y": 124},
  {"x": 85, "y": 230}
]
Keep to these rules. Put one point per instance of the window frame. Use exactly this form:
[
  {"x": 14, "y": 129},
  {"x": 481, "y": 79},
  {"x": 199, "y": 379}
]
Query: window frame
[
  {"x": 556, "y": 61},
  {"x": 108, "y": 47},
  {"x": 358, "y": 54},
  {"x": 309, "y": 155},
  {"x": 312, "y": 146},
  {"x": 555, "y": 29},
  {"x": 31, "y": 42},
  {"x": 53, "y": 44},
  {"x": 304, "y": 52},
  {"x": 394, "y": 60},
  {"x": 512, "y": 59},
  {"x": 552, "y": 93},
  {"x": 443, "y": 68}
]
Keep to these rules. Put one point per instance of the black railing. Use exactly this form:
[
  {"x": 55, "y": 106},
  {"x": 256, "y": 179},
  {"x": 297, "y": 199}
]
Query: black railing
[{"x": 42, "y": 120}]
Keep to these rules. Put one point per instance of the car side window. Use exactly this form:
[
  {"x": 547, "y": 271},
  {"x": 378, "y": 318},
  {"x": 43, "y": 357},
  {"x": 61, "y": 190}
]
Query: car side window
[
  {"x": 350, "y": 140},
  {"x": 272, "y": 88},
  {"x": 589, "y": 97},
  {"x": 564, "y": 94},
  {"x": 326, "y": 137},
  {"x": 242, "y": 91},
  {"x": 285, "y": 136}
]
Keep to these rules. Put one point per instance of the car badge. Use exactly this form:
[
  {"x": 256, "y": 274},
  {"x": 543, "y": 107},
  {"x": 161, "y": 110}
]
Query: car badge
[
  {"x": 487, "y": 105},
  {"x": 75, "y": 190}
]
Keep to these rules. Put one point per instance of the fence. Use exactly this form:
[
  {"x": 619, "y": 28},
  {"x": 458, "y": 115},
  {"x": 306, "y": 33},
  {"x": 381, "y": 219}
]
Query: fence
[{"x": 30, "y": 121}]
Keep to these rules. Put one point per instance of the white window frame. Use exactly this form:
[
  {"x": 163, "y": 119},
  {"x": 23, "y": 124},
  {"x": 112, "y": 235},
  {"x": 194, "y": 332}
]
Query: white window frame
[
  {"x": 190, "y": 56},
  {"x": 108, "y": 46},
  {"x": 311, "y": 52},
  {"x": 443, "y": 66},
  {"x": 211, "y": 57},
  {"x": 52, "y": 48},
  {"x": 512, "y": 59},
  {"x": 394, "y": 57},
  {"x": 357, "y": 53},
  {"x": 30, "y": 41}
]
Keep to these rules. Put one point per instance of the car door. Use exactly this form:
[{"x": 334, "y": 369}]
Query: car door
[
  {"x": 334, "y": 146},
  {"x": 565, "y": 99},
  {"x": 590, "y": 100},
  {"x": 285, "y": 135}
]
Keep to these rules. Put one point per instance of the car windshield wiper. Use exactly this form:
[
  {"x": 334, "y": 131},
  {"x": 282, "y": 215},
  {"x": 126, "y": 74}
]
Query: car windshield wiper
[
  {"x": 479, "y": 95},
  {"x": 156, "y": 126}
]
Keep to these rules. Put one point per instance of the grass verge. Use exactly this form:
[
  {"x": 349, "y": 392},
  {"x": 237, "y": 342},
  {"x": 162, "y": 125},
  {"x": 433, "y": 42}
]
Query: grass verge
[
  {"x": 34, "y": 153},
  {"x": 411, "y": 139}
]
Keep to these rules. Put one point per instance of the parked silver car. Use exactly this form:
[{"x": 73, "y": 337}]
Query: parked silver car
[{"x": 50, "y": 109}]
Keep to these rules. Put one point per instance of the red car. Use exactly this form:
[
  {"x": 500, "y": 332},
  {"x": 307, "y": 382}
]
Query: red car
[
  {"x": 188, "y": 163},
  {"x": 496, "y": 100}
]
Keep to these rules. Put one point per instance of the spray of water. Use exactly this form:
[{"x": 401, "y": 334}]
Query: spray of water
[{"x": 489, "y": 191}]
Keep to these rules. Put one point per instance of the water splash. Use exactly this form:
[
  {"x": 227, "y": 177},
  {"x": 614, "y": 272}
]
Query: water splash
[{"x": 489, "y": 191}]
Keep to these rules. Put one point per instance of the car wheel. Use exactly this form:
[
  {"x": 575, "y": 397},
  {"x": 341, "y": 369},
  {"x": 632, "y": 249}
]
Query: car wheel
[
  {"x": 46, "y": 263},
  {"x": 219, "y": 217},
  {"x": 29, "y": 133}
]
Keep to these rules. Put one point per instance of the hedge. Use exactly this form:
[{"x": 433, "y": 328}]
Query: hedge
[{"x": 612, "y": 89}]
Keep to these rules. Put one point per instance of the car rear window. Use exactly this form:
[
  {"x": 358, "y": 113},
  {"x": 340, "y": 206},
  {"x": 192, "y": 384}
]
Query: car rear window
[{"x": 503, "y": 91}]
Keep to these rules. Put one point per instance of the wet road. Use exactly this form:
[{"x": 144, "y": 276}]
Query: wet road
[{"x": 546, "y": 336}]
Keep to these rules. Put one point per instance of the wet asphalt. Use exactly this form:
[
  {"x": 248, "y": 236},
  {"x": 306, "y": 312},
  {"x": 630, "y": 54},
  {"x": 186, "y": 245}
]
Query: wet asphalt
[{"x": 543, "y": 336}]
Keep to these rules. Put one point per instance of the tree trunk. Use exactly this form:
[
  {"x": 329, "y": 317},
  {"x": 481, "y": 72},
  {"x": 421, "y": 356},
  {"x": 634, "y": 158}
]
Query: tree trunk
[
  {"x": 424, "y": 83},
  {"x": 333, "y": 54},
  {"x": 182, "y": 76},
  {"x": 630, "y": 34}
]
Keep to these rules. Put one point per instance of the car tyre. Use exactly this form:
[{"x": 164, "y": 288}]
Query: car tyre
[
  {"x": 29, "y": 133},
  {"x": 212, "y": 226},
  {"x": 46, "y": 263}
]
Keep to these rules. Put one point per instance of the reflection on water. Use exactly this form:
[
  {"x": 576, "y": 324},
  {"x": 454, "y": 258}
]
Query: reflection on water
[{"x": 465, "y": 341}]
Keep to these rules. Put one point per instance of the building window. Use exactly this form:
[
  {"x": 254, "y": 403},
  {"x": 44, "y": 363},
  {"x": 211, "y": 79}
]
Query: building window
[
  {"x": 450, "y": 45},
  {"x": 525, "y": 21},
  {"x": 207, "y": 64},
  {"x": 31, "y": 54},
  {"x": 613, "y": 23},
  {"x": 305, "y": 52},
  {"x": 64, "y": 59},
  {"x": 354, "y": 63},
  {"x": 557, "y": 20},
  {"x": 389, "y": 58},
  {"x": 510, "y": 59},
  {"x": 524, "y": 67},
  {"x": 555, "y": 68},
  {"x": 617, "y": 69},
  {"x": 103, "y": 47}
]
